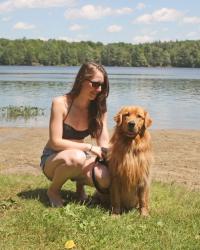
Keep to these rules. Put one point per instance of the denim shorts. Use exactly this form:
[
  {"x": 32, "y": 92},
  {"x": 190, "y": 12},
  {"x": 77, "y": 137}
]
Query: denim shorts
[
  {"x": 48, "y": 152},
  {"x": 45, "y": 155}
]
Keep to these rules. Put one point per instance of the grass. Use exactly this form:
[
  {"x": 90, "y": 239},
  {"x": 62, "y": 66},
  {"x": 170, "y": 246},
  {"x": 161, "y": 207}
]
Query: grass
[
  {"x": 28, "y": 223},
  {"x": 13, "y": 112}
]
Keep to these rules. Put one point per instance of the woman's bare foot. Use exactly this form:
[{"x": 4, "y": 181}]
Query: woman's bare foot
[{"x": 54, "y": 198}]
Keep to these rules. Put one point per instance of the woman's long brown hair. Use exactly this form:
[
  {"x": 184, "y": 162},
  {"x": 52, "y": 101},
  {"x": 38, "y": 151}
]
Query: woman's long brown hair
[{"x": 98, "y": 106}]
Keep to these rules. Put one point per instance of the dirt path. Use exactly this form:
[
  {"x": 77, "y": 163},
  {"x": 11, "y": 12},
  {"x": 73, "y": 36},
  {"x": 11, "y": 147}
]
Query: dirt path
[{"x": 176, "y": 154}]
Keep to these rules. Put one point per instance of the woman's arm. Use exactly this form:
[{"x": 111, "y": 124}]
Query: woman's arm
[
  {"x": 103, "y": 139},
  {"x": 58, "y": 110}
]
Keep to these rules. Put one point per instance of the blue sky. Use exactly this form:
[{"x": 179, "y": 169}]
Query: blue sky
[{"x": 105, "y": 21}]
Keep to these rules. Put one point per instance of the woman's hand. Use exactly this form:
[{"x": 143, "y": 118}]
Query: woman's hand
[
  {"x": 104, "y": 152},
  {"x": 96, "y": 150},
  {"x": 101, "y": 152}
]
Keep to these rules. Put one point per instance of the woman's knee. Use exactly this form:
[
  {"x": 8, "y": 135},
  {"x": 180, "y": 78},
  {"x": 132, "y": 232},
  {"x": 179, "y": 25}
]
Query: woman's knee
[
  {"x": 102, "y": 176},
  {"x": 74, "y": 158}
]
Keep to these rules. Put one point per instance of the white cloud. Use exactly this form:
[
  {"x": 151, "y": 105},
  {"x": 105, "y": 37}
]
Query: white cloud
[
  {"x": 140, "y": 6},
  {"x": 94, "y": 12},
  {"x": 6, "y": 19},
  {"x": 88, "y": 12},
  {"x": 191, "y": 20},
  {"x": 10, "y": 5},
  {"x": 162, "y": 15},
  {"x": 23, "y": 26},
  {"x": 144, "y": 19},
  {"x": 75, "y": 27},
  {"x": 114, "y": 28},
  {"x": 123, "y": 11},
  {"x": 143, "y": 39},
  {"x": 6, "y": 6}
]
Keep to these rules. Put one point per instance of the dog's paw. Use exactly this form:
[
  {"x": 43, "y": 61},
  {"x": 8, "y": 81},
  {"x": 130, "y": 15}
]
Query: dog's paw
[
  {"x": 115, "y": 216},
  {"x": 115, "y": 211},
  {"x": 144, "y": 212}
]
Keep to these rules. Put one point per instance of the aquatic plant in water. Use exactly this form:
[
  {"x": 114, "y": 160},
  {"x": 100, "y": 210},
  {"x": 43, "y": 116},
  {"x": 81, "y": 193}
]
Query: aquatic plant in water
[{"x": 26, "y": 112}]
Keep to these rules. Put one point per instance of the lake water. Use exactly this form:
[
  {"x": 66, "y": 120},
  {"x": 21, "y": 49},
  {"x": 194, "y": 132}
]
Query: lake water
[{"x": 171, "y": 95}]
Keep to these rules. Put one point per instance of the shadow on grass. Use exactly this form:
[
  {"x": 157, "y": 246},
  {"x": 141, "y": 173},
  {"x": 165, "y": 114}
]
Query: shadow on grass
[
  {"x": 35, "y": 194},
  {"x": 69, "y": 196}
]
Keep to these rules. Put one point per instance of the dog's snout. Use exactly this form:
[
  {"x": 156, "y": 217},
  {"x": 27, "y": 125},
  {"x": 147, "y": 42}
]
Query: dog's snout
[{"x": 131, "y": 125}]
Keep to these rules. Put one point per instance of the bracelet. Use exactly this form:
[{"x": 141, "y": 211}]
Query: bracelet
[{"x": 91, "y": 148}]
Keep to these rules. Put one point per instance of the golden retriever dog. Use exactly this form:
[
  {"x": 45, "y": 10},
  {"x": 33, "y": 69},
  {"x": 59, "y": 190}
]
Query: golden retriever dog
[{"x": 129, "y": 161}]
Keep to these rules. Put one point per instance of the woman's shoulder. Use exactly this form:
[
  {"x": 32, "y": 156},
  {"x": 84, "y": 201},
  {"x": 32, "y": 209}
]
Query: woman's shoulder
[{"x": 63, "y": 101}]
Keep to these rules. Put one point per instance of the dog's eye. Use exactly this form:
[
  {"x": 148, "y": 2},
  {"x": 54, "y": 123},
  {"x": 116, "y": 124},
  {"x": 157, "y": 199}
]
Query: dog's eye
[
  {"x": 126, "y": 114},
  {"x": 139, "y": 116}
]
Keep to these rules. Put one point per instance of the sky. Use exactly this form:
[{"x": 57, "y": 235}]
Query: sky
[{"x": 105, "y": 21}]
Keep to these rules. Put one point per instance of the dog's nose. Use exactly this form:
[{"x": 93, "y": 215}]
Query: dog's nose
[{"x": 131, "y": 125}]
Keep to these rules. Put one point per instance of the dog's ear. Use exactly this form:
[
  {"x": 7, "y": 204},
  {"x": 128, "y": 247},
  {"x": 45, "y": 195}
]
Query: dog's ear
[
  {"x": 119, "y": 116},
  {"x": 118, "y": 119},
  {"x": 147, "y": 120}
]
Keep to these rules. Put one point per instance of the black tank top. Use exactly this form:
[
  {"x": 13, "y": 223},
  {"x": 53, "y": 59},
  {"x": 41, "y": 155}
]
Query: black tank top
[{"x": 71, "y": 133}]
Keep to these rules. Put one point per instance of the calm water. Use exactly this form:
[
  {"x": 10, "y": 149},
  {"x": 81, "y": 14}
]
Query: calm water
[{"x": 171, "y": 95}]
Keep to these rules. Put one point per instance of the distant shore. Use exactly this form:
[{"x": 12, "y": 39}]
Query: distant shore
[
  {"x": 59, "y": 52},
  {"x": 176, "y": 154}
]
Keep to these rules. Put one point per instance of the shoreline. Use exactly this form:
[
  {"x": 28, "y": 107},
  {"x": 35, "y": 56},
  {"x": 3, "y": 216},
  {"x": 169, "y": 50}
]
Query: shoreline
[{"x": 176, "y": 153}]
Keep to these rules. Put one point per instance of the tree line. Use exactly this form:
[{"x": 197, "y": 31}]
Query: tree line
[{"x": 56, "y": 52}]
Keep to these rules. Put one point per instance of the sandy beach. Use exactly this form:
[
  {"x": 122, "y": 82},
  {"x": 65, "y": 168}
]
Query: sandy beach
[{"x": 176, "y": 154}]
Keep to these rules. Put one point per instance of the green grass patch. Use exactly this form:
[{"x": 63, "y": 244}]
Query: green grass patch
[
  {"x": 27, "y": 222},
  {"x": 26, "y": 112}
]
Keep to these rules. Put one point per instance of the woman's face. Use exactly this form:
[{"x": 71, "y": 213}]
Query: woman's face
[{"x": 92, "y": 87}]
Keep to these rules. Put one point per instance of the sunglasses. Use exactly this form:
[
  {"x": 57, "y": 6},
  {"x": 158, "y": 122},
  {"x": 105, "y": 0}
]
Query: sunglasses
[{"x": 96, "y": 85}]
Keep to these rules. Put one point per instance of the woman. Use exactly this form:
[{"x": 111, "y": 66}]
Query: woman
[{"x": 74, "y": 116}]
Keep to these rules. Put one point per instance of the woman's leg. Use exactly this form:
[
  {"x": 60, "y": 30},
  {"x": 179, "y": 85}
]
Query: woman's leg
[
  {"x": 102, "y": 175},
  {"x": 60, "y": 167},
  {"x": 73, "y": 164}
]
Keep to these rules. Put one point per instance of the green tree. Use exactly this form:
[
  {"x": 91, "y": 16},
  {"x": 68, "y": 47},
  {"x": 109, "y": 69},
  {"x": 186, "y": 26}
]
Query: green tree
[
  {"x": 138, "y": 58},
  {"x": 53, "y": 52}
]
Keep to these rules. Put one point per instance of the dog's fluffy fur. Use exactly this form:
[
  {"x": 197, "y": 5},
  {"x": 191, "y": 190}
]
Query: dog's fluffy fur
[{"x": 129, "y": 159}]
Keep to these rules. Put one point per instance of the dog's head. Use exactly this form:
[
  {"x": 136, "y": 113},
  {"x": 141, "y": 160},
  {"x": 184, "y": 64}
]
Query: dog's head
[{"x": 132, "y": 120}]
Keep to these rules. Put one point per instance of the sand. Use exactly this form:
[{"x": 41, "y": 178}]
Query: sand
[{"x": 177, "y": 154}]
